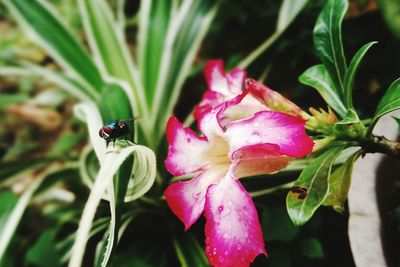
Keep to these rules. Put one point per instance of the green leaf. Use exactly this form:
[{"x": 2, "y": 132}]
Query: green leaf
[
  {"x": 311, "y": 188},
  {"x": 288, "y": 12},
  {"x": 43, "y": 253},
  {"x": 312, "y": 248},
  {"x": 114, "y": 104},
  {"x": 389, "y": 102},
  {"x": 154, "y": 21},
  {"x": 351, "y": 72},
  {"x": 328, "y": 41},
  {"x": 185, "y": 34},
  {"x": 350, "y": 118},
  {"x": 110, "y": 49},
  {"x": 339, "y": 184},
  {"x": 189, "y": 252},
  {"x": 110, "y": 164},
  {"x": 44, "y": 24},
  {"x": 317, "y": 77}
]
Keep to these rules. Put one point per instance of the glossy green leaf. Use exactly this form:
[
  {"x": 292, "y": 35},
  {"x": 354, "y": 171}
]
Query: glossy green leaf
[
  {"x": 339, "y": 184},
  {"x": 311, "y": 188},
  {"x": 317, "y": 77},
  {"x": 114, "y": 104},
  {"x": 351, "y": 73},
  {"x": 45, "y": 25},
  {"x": 389, "y": 102},
  {"x": 189, "y": 251},
  {"x": 328, "y": 41}
]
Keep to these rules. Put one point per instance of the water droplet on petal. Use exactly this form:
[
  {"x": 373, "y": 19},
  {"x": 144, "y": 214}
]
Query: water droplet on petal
[
  {"x": 221, "y": 259},
  {"x": 188, "y": 140},
  {"x": 239, "y": 247},
  {"x": 220, "y": 209},
  {"x": 242, "y": 259},
  {"x": 226, "y": 253}
]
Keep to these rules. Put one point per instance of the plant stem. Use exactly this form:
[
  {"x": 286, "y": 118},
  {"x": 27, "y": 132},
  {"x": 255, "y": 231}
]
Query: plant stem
[{"x": 382, "y": 145}]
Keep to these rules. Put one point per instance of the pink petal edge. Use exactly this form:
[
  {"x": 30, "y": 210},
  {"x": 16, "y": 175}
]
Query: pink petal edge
[
  {"x": 186, "y": 199},
  {"x": 268, "y": 127},
  {"x": 233, "y": 232},
  {"x": 272, "y": 99},
  {"x": 184, "y": 144}
]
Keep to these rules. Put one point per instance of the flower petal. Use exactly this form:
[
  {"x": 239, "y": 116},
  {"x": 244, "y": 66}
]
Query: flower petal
[
  {"x": 213, "y": 121},
  {"x": 221, "y": 86},
  {"x": 228, "y": 85},
  {"x": 186, "y": 199},
  {"x": 258, "y": 159},
  {"x": 184, "y": 144},
  {"x": 233, "y": 232},
  {"x": 210, "y": 99},
  {"x": 273, "y": 100},
  {"x": 268, "y": 127}
]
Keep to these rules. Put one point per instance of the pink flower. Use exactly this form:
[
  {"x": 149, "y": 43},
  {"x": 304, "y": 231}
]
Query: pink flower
[
  {"x": 221, "y": 86},
  {"x": 241, "y": 137}
]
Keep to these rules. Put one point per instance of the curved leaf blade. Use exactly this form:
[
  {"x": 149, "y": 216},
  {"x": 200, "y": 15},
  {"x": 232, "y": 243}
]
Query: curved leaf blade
[
  {"x": 328, "y": 41},
  {"x": 310, "y": 190},
  {"x": 389, "y": 102},
  {"x": 351, "y": 73},
  {"x": 317, "y": 77},
  {"x": 113, "y": 159}
]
